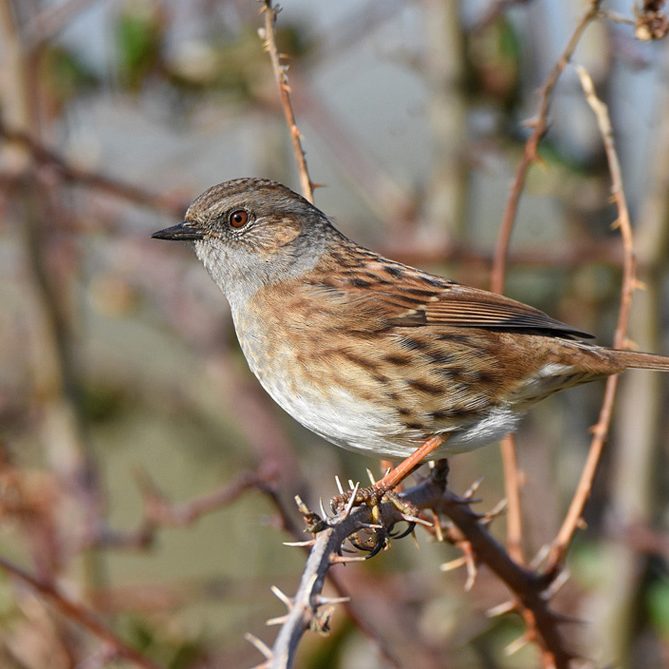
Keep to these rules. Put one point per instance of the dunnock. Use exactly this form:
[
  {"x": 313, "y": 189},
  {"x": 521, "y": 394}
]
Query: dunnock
[{"x": 371, "y": 354}]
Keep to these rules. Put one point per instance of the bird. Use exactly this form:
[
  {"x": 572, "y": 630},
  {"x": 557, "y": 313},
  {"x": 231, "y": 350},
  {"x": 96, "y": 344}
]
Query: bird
[{"x": 373, "y": 355}]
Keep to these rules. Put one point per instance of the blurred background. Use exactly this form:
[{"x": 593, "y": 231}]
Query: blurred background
[{"x": 118, "y": 362}]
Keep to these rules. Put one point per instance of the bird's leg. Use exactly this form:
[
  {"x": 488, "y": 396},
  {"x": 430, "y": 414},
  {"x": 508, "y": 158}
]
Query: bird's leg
[
  {"x": 381, "y": 491},
  {"x": 373, "y": 495},
  {"x": 409, "y": 465}
]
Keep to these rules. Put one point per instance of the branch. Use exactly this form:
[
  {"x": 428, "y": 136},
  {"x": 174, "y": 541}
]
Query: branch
[
  {"x": 80, "y": 614},
  {"x": 530, "y": 152},
  {"x": 160, "y": 512},
  {"x": 309, "y": 610},
  {"x": 601, "y": 429},
  {"x": 512, "y": 476},
  {"x": 307, "y": 185},
  {"x": 45, "y": 156},
  {"x": 51, "y": 20}
]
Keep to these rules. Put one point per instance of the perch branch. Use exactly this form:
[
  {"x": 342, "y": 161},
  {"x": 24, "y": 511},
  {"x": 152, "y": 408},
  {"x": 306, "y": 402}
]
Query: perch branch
[
  {"x": 305, "y": 610},
  {"x": 601, "y": 429}
]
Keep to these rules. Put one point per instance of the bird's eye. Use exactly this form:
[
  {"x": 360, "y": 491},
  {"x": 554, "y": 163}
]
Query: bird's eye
[{"x": 239, "y": 218}]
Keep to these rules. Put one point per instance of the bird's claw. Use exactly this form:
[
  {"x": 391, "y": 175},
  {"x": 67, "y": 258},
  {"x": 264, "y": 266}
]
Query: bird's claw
[{"x": 377, "y": 535}]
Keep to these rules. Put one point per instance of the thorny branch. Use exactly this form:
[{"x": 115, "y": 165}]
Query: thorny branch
[
  {"x": 308, "y": 610},
  {"x": 307, "y": 185},
  {"x": 629, "y": 283},
  {"x": 512, "y": 475}
]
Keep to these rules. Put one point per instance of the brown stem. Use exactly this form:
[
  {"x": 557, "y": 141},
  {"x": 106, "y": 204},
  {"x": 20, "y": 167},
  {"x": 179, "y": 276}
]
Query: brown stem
[
  {"x": 601, "y": 429},
  {"x": 281, "y": 77}
]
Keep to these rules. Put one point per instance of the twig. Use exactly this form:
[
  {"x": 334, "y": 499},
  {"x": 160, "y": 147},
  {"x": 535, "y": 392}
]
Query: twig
[
  {"x": 51, "y": 20},
  {"x": 307, "y": 185},
  {"x": 80, "y": 614},
  {"x": 512, "y": 477},
  {"x": 512, "y": 486},
  {"x": 362, "y": 623},
  {"x": 160, "y": 512},
  {"x": 530, "y": 152},
  {"x": 600, "y": 430},
  {"x": 45, "y": 156}
]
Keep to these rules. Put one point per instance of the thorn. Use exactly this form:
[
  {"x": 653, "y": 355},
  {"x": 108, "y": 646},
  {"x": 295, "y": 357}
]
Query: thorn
[
  {"x": 280, "y": 620},
  {"x": 371, "y": 526},
  {"x": 556, "y": 585},
  {"x": 541, "y": 555},
  {"x": 581, "y": 524},
  {"x": 321, "y": 600},
  {"x": 501, "y": 609},
  {"x": 321, "y": 621},
  {"x": 473, "y": 488},
  {"x": 282, "y": 596},
  {"x": 259, "y": 645},
  {"x": 340, "y": 559},
  {"x": 299, "y": 544},
  {"x": 372, "y": 480},
  {"x": 322, "y": 508},
  {"x": 472, "y": 572},
  {"x": 516, "y": 645},
  {"x": 494, "y": 512},
  {"x": 339, "y": 485},
  {"x": 465, "y": 501},
  {"x": 417, "y": 520},
  {"x": 350, "y": 484},
  {"x": 453, "y": 564},
  {"x": 351, "y": 502},
  {"x": 439, "y": 535}
]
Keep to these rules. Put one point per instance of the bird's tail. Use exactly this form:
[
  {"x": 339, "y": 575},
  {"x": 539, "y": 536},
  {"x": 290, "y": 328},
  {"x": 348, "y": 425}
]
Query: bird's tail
[{"x": 635, "y": 360}]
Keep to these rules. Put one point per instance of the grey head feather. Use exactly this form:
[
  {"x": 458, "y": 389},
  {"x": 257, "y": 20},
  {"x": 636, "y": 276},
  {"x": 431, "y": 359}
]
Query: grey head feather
[{"x": 285, "y": 237}]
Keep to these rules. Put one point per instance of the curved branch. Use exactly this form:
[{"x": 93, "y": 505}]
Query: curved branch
[{"x": 601, "y": 429}]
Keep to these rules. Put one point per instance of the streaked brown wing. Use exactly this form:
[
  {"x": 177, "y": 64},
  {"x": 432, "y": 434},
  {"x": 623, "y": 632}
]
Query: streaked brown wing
[
  {"x": 472, "y": 308},
  {"x": 407, "y": 297}
]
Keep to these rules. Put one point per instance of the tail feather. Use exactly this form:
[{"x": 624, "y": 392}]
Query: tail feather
[{"x": 634, "y": 360}]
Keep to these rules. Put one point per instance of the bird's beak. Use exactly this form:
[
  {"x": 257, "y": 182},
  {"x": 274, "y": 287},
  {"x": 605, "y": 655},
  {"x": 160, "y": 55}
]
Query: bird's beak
[{"x": 183, "y": 232}]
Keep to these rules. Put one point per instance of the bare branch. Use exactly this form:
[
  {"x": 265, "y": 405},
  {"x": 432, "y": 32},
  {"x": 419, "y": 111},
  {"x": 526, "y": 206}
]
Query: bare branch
[
  {"x": 601, "y": 429},
  {"x": 79, "y": 614},
  {"x": 160, "y": 512},
  {"x": 45, "y": 156},
  {"x": 307, "y": 185},
  {"x": 512, "y": 476}
]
